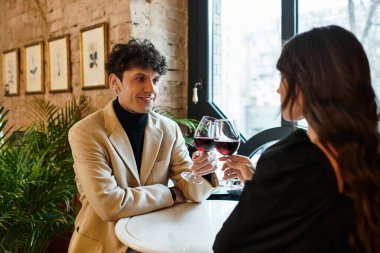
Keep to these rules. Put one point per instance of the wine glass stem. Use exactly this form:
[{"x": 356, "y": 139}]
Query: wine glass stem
[
  {"x": 229, "y": 180},
  {"x": 192, "y": 175}
]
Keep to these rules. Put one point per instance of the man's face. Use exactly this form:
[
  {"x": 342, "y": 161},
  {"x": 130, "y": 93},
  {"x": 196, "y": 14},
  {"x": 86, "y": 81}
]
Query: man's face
[{"x": 138, "y": 89}]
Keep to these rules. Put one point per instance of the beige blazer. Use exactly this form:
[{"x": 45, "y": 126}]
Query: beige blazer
[{"x": 108, "y": 181}]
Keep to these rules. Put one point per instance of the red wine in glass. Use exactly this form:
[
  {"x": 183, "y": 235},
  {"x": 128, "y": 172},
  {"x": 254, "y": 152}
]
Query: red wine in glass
[
  {"x": 204, "y": 144},
  {"x": 226, "y": 147},
  {"x": 227, "y": 140}
]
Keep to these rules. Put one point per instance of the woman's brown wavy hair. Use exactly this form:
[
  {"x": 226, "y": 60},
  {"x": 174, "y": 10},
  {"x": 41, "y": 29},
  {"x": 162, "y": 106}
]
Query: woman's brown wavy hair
[{"x": 329, "y": 66}]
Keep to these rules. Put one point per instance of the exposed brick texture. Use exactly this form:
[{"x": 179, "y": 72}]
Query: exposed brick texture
[{"x": 164, "y": 22}]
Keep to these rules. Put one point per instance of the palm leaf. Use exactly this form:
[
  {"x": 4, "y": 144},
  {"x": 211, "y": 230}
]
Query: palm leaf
[
  {"x": 189, "y": 124},
  {"x": 37, "y": 178},
  {"x": 3, "y": 123}
]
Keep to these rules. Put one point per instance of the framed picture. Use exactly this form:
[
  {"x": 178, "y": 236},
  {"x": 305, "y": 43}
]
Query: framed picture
[
  {"x": 93, "y": 52},
  {"x": 11, "y": 80},
  {"x": 33, "y": 68},
  {"x": 59, "y": 64}
]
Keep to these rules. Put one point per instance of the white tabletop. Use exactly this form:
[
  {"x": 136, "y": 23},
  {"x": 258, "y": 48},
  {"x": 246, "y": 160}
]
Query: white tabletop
[{"x": 188, "y": 227}]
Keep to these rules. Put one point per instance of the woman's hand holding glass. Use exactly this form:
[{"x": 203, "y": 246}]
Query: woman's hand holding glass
[
  {"x": 227, "y": 141},
  {"x": 237, "y": 166}
]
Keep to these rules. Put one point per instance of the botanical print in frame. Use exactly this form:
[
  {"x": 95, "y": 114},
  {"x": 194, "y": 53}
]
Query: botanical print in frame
[
  {"x": 33, "y": 68},
  {"x": 59, "y": 64},
  {"x": 93, "y": 49},
  {"x": 11, "y": 80}
]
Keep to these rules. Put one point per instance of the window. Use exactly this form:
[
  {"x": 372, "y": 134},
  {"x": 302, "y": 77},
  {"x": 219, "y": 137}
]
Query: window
[
  {"x": 245, "y": 51},
  {"x": 362, "y": 17},
  {"x": 234, "y": 46}
]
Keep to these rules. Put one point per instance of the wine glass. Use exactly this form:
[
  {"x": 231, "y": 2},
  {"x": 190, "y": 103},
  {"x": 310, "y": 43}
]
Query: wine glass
[
  {"x": 203, "y": 142},
  {"x": 226, "y": 142}
]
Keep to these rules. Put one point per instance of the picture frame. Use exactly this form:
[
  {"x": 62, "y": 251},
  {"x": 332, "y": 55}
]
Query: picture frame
[
  {"x": 33, "y": 68},
  {"x": 93, "y": 52},
  {"x": 59, "y": 64},
  {"x": 11, "y": 72}
]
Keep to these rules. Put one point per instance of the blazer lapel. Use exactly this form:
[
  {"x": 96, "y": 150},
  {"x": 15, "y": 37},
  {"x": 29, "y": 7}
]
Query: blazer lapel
[
  {"x": 120, "y": 140},
  {"x": 152, "y": 141}
]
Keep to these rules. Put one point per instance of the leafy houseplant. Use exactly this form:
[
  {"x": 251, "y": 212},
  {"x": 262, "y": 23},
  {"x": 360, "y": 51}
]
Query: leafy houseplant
[
  {"x": 37, "y": 180},
  {"x": 37, "y": 189},
  {"x": 189, "y": 124}
]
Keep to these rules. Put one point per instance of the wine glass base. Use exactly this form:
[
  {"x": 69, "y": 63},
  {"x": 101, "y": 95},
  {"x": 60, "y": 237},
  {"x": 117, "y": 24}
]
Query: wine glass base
[
  {"x": 232, "y": 187},
  {"x": 191, "y": 178}
]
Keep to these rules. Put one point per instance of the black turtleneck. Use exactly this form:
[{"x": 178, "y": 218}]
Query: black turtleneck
[{"x": 134, "y": 125}]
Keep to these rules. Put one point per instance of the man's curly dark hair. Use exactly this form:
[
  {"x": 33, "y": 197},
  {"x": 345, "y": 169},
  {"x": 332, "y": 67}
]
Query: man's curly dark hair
[{"x": 135, "y": 54}]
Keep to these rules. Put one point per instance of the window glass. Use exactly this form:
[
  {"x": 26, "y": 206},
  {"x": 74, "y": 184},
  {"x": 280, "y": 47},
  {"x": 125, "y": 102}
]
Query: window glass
[
  {"x": 362, "y": 17},
  {"x": 246, "y": 45}
]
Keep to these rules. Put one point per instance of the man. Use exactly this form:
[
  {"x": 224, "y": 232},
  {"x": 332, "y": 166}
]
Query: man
[{"x": 124, "y": 154}]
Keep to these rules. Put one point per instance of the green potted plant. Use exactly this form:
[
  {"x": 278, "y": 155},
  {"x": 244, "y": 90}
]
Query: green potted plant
[
  {"x": 38, "y": 190},
  {"x": 185, "y": 123},
  {"x": 37, "y": 180}
]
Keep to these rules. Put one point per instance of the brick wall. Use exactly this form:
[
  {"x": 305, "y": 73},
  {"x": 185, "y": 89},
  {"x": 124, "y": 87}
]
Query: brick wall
[{"x": 164, "y": 22}]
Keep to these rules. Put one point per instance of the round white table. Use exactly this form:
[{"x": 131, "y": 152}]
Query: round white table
[{"x": 188, "y": 227}]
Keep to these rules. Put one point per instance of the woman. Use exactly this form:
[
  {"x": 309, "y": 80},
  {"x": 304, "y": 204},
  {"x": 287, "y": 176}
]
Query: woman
[{"x": 314, "y": 191}]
